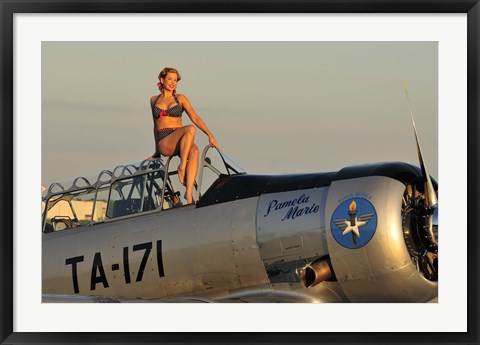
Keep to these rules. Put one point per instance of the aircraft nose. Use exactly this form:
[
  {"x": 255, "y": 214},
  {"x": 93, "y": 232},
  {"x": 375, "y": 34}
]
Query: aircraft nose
[{"x": 435, "y": 223}]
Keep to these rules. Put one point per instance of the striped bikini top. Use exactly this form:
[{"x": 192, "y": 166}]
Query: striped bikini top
[{"x": 175, "y": 111}]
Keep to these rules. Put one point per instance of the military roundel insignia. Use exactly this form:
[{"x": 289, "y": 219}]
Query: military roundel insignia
[{"x": 354, "y": 222}]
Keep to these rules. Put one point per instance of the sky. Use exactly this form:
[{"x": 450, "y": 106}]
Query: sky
[{"x": 274, "y": 107}]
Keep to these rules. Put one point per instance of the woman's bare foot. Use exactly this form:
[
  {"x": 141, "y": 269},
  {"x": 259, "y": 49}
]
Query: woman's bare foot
[
  {"x": 188, "y": 197},
  {"x": 181, "y": 175},
  {"x": 153, "y": 156}
]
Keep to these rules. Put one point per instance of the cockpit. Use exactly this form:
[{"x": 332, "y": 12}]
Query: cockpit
[{"x": 127, "y": 190}]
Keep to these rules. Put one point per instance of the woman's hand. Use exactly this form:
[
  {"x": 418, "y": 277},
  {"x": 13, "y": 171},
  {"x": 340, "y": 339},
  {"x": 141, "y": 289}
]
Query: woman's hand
[{"x": 213, "y": 142}]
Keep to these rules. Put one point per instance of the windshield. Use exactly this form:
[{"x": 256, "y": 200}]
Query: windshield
[
  {"x": 213, "y": 165},
  {"x": 232, "y": 167}
]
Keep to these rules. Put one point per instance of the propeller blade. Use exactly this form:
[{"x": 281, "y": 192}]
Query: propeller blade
[{"x": 430, "y": 194}]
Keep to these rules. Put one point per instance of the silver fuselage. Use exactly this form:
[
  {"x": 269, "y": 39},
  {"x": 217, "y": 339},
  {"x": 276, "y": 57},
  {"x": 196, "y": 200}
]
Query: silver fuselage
[{"x": 249, "y": 249}]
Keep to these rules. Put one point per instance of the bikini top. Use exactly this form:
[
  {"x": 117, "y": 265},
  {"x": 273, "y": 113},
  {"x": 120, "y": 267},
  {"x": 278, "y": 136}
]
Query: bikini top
[{"x": 175, "y": 111}]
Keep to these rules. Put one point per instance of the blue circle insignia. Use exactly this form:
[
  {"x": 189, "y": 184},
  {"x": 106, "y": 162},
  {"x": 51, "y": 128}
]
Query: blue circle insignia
[{"x": 353, "y": 223}]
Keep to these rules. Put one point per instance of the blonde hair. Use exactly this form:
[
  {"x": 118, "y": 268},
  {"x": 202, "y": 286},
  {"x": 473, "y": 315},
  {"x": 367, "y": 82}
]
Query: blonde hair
[{"x": 164, "y": 73}]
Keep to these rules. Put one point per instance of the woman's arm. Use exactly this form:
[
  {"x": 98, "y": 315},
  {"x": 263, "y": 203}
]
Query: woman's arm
[
  {"x": 197, "y": 120},
  {"x": 155, "y": 154}
]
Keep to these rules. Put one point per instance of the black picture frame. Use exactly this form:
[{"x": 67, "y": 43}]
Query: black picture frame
[{"x": 10, "y": 7}]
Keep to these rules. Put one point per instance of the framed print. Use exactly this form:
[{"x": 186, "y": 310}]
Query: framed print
[{"x": 350, "y": 122}]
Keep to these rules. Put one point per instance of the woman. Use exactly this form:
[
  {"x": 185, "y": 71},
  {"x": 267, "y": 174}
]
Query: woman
[{"x": 171, "y": 137}]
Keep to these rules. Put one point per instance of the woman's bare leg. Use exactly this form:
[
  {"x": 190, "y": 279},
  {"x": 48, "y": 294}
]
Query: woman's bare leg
[
  {"x": 191, "y": 172},
  {"x": 186, "y": 142},
  {"x": 179, "y": 142}
]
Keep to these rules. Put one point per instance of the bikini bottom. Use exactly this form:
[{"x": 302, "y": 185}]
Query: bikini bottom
[{"x": 162, "y": 133}]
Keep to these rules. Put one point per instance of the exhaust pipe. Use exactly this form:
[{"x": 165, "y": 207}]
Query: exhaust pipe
[{"x": 315, "y": 273}]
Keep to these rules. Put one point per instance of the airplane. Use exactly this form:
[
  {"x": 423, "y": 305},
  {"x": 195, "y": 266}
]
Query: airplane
[{"x": 366, "y": 233}]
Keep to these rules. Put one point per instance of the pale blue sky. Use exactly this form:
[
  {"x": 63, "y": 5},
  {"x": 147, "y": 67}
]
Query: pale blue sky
[{"x": 274, "y": 107}]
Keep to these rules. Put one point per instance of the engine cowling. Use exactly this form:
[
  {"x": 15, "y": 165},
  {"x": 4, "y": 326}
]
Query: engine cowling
[{"x": 379, "y": 260}]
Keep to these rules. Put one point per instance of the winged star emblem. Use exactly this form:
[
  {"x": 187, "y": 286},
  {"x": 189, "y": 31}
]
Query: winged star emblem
[
  {"x": 353, "y": 224},
  {"x": 346, "y": 225}
]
